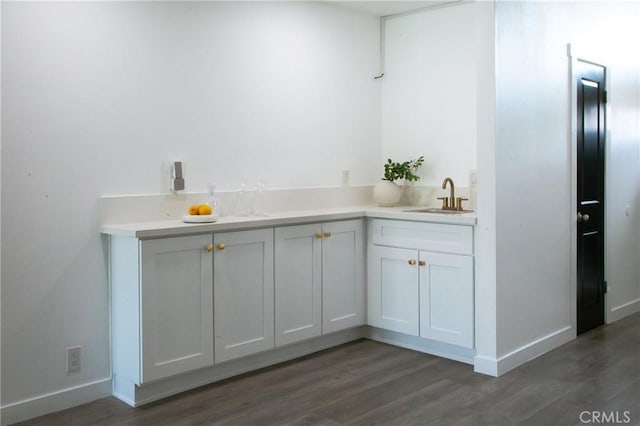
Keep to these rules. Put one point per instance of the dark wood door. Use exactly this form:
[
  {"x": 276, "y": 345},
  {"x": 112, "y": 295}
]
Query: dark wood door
[{"x": 590, "y": 191}]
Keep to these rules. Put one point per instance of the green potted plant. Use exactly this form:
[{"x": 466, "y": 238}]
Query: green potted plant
[{"x": 387, "y": 192}]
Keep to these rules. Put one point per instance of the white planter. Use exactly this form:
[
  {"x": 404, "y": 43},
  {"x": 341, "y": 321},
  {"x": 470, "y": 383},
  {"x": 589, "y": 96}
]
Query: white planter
[{"x": 386, "y": 193}]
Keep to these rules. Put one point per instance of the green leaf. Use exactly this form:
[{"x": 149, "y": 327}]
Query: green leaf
[{"x": 394, "y": 171}]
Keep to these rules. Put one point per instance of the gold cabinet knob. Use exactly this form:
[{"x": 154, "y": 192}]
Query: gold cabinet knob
[
  {"x": 209, "y": 248},
  {"x": 422, "y": 262},
  {"x": 412, "y": 262},
  {"x": 220, "y": 246},
  {"x": 318, "y": 234},
  {"x": 327, "y": 234}
]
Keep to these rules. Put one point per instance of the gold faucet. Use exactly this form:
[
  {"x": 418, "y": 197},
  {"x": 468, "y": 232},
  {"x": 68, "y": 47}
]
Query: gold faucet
[{"x": 451, "y": 203}]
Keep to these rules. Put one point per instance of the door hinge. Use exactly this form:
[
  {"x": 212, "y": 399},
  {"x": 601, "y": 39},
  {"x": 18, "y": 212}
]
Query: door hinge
[
  {"x": 604, "y": 97},
  {"x": 605, "y": 287}
]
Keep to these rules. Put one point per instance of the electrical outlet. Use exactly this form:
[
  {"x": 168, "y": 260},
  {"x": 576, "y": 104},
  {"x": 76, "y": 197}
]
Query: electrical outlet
[
  {"x": 74, "y": 358},
  {"x": 473, "y": 177}
]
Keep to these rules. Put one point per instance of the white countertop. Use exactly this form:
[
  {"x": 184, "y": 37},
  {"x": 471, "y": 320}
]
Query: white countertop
[{"x": 175, "y": 227}]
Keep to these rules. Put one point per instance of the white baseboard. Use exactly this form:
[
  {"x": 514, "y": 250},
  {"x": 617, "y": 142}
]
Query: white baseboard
[
  {"x": 519, "y": 356},
  {"x": 618, "y": 312},
  {"x": 54, "y": 401}
]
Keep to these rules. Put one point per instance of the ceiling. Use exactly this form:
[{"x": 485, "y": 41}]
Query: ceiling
[{"x": 390, "y": 7}]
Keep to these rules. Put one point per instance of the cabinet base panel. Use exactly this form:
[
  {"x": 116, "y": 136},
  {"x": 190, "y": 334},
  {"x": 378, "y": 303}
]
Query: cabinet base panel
[
  {"x": 124, "y": 390},
  {"x": 136, "y": 396},
  {"x": 456, "y": 353}
]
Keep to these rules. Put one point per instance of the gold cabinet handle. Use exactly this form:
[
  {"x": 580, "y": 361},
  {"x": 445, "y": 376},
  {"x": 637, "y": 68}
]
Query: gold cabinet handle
[
  {"x": 327, "y": 234},
  {"x": 318, "y": 234},
  {"x": 209, "y": 248},
  {"x": 220, "y": 246},
  {"x": 412, "y": 262},
  {"x": 422, "y": 262}
]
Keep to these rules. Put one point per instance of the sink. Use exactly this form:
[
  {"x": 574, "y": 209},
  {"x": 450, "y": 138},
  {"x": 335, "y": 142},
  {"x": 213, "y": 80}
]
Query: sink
[{"x": 437, "y": 210}]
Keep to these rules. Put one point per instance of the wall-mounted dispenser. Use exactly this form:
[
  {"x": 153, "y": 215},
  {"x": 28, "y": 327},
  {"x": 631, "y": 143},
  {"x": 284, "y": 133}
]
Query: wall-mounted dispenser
[{"x": 177, "y": 181}]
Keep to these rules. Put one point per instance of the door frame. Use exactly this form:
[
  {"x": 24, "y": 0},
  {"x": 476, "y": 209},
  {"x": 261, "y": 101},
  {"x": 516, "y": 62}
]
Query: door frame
[{"x": 577, "y": 54}]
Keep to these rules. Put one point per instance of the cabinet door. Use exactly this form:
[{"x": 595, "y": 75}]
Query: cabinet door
[
  {"x": 298, "y": 283},
  {"x": 243, "y": 293},
  {"x": 393, "y": 289},
  {"x": 176, "y": 306},
  {"x": 343, "y": 284},
  {"x": 446, "y": 298}
]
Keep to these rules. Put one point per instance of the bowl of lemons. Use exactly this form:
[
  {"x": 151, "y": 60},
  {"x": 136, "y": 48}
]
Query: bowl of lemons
[{"x": 200, "y": 213}]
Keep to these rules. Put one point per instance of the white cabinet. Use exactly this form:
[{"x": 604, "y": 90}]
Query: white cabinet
[
  {"x": 298, "y": 283},
  {"x": 162, "y": 306},
  {"x": 446, "y": 298},
  {"x": 179, "y": 304},
  {"x": 343, "y": 275},
  {"x": 319, "y": 279},
  {"x": 243, "y": 293},
  {"x": 393, "y": 290},
  {"x": 176, "y": 305},
  {"x": 421, "y": 280}
]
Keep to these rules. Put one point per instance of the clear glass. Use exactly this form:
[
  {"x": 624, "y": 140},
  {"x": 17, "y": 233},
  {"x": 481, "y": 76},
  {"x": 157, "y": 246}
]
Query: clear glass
[
  {"x": 212, "y": 200},
  {"x": 242, "y": 200},
  {"x": 258, "y": 200}
]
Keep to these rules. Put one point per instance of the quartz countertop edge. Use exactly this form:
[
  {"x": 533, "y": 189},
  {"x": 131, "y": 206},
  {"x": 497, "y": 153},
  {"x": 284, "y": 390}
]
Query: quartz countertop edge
[{"x": 176, "y": 227}]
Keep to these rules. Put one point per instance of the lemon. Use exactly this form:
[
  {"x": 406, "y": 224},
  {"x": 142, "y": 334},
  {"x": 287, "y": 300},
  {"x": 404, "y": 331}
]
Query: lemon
[
  {"x": 193, "y": 210},
  {"x": 204, "y": 209}
]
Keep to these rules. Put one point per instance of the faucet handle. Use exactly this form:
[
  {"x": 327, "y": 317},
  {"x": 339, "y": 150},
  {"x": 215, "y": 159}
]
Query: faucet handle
[
  {"x": 445, "y": 202},
  {"x": 459, "y": 201}
]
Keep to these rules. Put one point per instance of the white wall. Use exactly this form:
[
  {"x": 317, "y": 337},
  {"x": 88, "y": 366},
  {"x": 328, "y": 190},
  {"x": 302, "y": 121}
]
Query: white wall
[
  {"x": 98, "y": 97},
  {"x": 485, "y": 231},
  {"x": 429, "y": 91},
  {"x": 532, "y": 163}
]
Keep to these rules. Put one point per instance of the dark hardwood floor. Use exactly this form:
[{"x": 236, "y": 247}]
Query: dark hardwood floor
[{"x": 370, "y": 383}]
